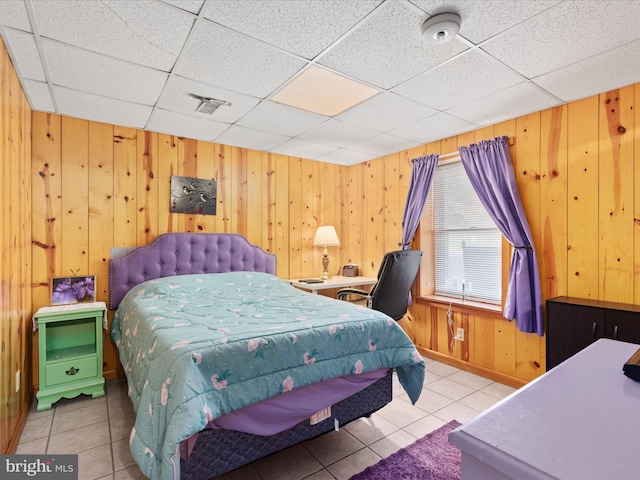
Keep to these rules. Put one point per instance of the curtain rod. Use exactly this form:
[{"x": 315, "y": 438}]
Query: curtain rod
[{"x": 456, "y": 154}]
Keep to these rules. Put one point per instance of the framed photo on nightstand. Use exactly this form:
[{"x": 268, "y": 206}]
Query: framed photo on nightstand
[{"x": 67, "y": 290}]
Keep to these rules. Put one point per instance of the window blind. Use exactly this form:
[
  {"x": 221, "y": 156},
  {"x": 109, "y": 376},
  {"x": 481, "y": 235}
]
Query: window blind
[{"x": 468, "y": 245}]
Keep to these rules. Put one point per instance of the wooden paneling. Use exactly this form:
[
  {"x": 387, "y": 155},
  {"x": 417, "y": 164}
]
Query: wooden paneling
[
  {"x": 16, "y": 255},
  {"x": 97, "y": 186}
]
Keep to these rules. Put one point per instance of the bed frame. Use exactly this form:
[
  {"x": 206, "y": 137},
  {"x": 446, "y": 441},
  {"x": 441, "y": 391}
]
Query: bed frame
[{"x": 218, "y": 451}]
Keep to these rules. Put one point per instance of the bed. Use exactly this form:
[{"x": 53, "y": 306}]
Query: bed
[{"x": 214, "y": 345}]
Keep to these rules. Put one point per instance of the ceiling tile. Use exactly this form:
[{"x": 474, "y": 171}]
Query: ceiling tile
[
  {"x": 101, "y": 109},
  {"x": 470, "y": 76},
  {"x": 249, "y": 138},
  {"x": 92, "y": 72},
  {"x": 39, "y": 96},
  {"x": 433, "y": 128},
  {"x": 593, "y": 76},
  {"x": 24, "y": 52},
  {"x": 344, "y": 156},
  {"x": 512, "y": 102},
  {"x": 192, "y": 6},
  {"x": 387, "y": 49},
  {"x": 301, "y": 148},
  {"x": 385, "y": 112},
  {"x": 303, "y": 27},
  {"x": 181, "y": 125},
  {"x": 176, "y": 97},
  {"x": 338, "y": 134},
  {"x": 482, "y": 19},
  {"x": 134, "y": 31},
  {"x": 14, "y": 14},
  {"x": 383, "y": 144},
  {"x": 280, "y": 119},
  {"x": 233, "y": 61},
  {"x": 573, "y": 31}
]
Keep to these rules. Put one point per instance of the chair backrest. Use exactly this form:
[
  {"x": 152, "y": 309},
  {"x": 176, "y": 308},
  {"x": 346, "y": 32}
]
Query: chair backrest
[{"x": 397, "y": 272}]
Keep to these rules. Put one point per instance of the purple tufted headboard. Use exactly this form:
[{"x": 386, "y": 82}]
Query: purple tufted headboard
[{"x": 184, "y": 254}]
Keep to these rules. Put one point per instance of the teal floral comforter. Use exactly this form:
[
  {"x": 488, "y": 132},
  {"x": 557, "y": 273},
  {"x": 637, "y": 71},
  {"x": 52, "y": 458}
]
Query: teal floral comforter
[{"x": 195, "y": 347}]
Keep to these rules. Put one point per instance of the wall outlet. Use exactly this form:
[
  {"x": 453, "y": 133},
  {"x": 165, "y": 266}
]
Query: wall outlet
[
  {"x": 460, "y": 334},
  {"x": 17, "y": 381}
]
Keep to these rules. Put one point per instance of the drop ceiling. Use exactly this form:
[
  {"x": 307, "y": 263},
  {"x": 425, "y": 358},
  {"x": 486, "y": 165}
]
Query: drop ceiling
[{"x": 137, "y": 63}]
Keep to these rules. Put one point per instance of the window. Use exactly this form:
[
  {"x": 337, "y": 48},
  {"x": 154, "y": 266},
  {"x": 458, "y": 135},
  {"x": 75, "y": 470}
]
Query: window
[{"x": 467, "y": 246}]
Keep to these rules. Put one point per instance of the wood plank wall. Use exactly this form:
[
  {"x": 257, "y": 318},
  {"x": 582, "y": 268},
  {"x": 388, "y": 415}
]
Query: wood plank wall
[
  {"x": 97, "y": 186},
  {"x": 574, "y": 166},
  {"x": 15, "y": 249},
  {"x": 576, "y": 170}
]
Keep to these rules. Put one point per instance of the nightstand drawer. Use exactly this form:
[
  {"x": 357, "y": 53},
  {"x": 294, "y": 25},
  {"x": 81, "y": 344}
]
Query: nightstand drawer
[{"x": 70, "y": 371}]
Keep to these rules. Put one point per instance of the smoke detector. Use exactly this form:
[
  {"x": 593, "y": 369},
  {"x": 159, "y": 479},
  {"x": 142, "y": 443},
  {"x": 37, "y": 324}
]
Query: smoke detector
[
  {"x": 209, "y": 105},
  {"x": 441, "y": 28}
]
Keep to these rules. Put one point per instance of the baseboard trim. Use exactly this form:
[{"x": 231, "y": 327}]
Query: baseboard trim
[
  {"x": 22, "y": 421},
  {"x": 482, "y": 371}
]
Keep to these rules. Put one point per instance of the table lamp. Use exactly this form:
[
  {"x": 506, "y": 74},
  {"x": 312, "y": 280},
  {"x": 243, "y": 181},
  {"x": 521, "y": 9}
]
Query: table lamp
[{"x": 326, "y": 236}]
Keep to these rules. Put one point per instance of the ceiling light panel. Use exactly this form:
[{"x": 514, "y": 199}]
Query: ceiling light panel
[
  {"x": 134, "y": 31},
  {"x": 323, "y": 92},
  {"x": 301, "y": 27}
]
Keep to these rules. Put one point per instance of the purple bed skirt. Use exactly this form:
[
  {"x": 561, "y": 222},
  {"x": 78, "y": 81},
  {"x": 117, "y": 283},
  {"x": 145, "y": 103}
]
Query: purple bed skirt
[{"x": 217, "y": 451}]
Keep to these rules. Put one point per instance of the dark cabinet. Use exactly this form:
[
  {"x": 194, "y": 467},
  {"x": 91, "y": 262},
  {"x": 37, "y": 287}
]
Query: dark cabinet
[{"x": 574, "y": 323}]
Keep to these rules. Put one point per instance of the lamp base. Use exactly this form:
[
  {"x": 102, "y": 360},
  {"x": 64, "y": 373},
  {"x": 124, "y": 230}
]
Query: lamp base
[{"x": 325, "y": 266}]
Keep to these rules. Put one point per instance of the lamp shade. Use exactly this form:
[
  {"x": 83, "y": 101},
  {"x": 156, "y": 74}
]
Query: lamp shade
[{"x": 326, "y": 236}]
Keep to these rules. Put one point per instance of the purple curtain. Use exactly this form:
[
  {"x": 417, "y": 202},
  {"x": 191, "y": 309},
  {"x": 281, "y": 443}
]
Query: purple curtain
[
  {"x": 422, "y": 170},
  {"x": 488, "y": 165}
]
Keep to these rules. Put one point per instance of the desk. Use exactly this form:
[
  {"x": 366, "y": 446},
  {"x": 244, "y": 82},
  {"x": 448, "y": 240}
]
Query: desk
[
  {"x": 580, "y": 420},
  {"x": 337, "y": 281}
]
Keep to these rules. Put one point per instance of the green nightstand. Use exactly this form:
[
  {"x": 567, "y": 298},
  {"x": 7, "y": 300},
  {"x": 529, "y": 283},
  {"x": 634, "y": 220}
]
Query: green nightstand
[{"x": 70, "y": 350}]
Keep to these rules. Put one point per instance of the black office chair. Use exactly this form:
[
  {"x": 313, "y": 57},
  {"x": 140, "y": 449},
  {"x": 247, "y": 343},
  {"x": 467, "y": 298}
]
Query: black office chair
[{"x": 390, "y": 294}]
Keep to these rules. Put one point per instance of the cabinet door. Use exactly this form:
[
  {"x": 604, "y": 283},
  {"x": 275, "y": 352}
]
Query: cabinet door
[
  {"x": 570, "y": 328},
  {"x": 624, "y": 326}
]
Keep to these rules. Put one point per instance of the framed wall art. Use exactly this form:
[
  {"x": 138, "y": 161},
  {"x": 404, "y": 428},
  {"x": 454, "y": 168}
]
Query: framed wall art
[
  {"x": 67, "y": 290},
  {"x": 193, "y": 195}
]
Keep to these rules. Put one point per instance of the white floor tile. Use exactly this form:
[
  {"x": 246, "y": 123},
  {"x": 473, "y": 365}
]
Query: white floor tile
[{"x": 98, "y": 430}]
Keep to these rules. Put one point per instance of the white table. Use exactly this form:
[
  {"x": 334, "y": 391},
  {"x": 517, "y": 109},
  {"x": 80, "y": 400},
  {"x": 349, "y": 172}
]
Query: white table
[
  {"x": 580, "y": 421},
  {"x": 337, "y": 281}
]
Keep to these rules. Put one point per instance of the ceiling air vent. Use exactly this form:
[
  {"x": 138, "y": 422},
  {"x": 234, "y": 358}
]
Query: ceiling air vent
[{"x": 209, "y": 105}]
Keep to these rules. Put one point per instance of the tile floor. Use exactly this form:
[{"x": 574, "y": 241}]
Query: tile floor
[{"x": 98, "y": 431}]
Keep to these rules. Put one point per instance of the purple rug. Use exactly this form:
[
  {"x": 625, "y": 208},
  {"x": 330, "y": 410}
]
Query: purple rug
[{"x": 430, "y": 458}]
